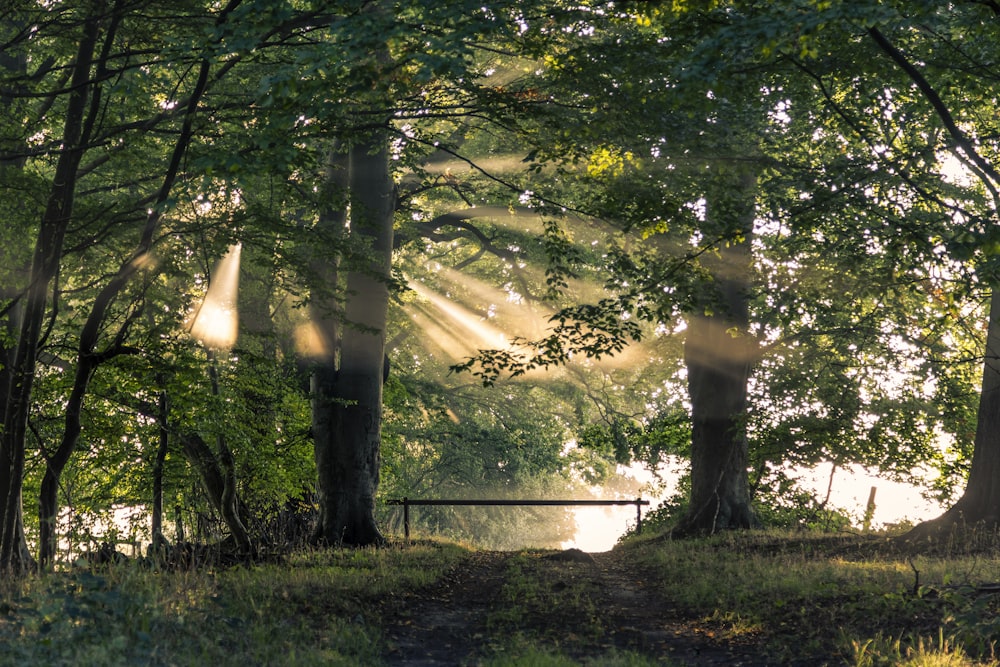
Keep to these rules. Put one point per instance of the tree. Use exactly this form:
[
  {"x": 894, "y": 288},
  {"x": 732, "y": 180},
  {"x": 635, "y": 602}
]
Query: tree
[
  {"x": 714, "y": 293},
  {"x": 347, "y": 396},
  {"x": 88, "y": 355},
  {"x": 720, "y": 353},
  {"x": 44, "y": 267},
  {"x": 980, "y": 504},
  {"x": 728, "y": 72},
  {"x": 106, "y": 73},
  {"x": 13, "y": 65},
  {"x": 936, "y": 230}
]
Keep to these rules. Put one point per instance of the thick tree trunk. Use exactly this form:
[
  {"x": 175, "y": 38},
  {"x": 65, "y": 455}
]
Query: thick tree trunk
[
  {"x": 325, "y": 314},
  {"x": 719, "y": 355},
  {"x": 348, "y": 404},
  {"x": 979, "y": 506}
]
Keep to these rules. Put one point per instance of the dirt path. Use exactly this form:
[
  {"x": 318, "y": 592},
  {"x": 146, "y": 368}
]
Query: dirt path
[{"x": 583, "y": 605}]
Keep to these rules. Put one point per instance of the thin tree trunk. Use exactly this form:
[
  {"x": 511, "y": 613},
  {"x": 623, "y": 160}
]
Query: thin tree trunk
[
  {"x": 44, "y": 267},
  {"x": 12, "y": 161},
  {"x": 162, "y": 420},
  {"x": 219, "y": 483},
  {"x": 229, "y": 501}
]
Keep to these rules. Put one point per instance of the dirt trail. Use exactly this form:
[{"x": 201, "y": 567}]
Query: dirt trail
[{"x": 584, "y": 605}]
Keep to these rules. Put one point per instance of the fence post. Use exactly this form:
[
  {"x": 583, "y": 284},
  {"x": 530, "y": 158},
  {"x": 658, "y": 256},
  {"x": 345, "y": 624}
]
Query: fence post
[{"x": 406, "y": 518}]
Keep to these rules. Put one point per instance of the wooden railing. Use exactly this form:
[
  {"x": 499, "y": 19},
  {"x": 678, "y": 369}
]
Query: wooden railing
[{"x": 411, "y": 502}]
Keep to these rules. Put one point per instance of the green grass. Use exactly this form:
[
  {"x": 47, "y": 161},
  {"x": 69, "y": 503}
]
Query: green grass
[
  {"x": 857, "y": 601},
  {"x": 862, "y": 599},
  {"x": 316, "y": 609}
]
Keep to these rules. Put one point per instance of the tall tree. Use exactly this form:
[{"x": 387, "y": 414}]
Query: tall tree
[
  {"x": 89, "y": 357},
  {"x": 903, "y": 39},
  {"x": 44, "y": 267},
  {"x": 720, "y": 353},
  {"x": 347, "y": 388},
  {"x": 13, "y": 66},
  {"x": 734, "y": 87}
]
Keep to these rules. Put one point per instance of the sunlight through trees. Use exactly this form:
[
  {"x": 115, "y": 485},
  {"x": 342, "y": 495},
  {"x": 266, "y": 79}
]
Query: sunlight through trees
[{"x": 267, "y": 265}]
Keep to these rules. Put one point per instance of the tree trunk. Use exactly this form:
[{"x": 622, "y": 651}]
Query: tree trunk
[
  {"x": 162, "y": 421},
  {"x": 979, "y": 506},
  {"x": 325, "y": 314},
  {"x": 719, "y": 355},
  {"x": 348, "y": 404},
  {"x": 219, "y": 482},
  {"x": 15, "y": 267},
  {"x": 44, "y": 266}
]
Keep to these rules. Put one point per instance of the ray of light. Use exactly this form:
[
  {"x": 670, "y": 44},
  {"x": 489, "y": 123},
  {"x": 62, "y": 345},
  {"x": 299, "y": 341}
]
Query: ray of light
[
  {"x": 718, "y": 345},
  {"x": 440, "y": 338},
  {"x": 460, "y": 332},
  {"x": 456, "y": 332},
  {"x": 519, "y": 316},
  {"x": 478, "y": 332},
  {"x": 309, "y": 341},
  {"x": 215, "y": 322},
  {"x": 454, "y": 167}
]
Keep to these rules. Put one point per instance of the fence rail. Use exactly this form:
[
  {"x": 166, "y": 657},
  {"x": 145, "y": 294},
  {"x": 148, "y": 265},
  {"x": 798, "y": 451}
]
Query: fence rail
[{"x": 410, "y": 502}]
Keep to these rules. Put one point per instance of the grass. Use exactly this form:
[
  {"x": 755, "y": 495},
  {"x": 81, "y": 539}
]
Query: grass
[
  {"x": 316, "y": 609},
  {"x": 842, "y": 600},
  {"x": 862, "y": 599}
]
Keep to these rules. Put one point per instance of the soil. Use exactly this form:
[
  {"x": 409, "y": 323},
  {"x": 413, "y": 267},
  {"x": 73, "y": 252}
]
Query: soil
[{"x": 582, "y": 605}]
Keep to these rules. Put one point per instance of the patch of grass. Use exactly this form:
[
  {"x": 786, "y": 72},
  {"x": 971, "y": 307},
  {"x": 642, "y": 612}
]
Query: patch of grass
[
  {"x": 316, "y": 609},
  {"x": 922, "y": 652},
  {"x": 860, "y": 601},
  {"x": 794, "y": 589},
  {"x": 530, "y": 655},
  {"x": 545, "y": 601}
]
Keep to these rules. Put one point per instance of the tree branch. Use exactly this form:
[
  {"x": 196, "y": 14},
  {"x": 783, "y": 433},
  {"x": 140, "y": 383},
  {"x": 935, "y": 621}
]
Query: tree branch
[{"x": 989, "y": 176}]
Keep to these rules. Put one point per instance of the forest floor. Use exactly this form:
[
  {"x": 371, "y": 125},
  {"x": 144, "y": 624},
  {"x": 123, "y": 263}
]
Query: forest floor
[
  {"x": 752, "y": 599},
  {"x": 571, "y": 603}
]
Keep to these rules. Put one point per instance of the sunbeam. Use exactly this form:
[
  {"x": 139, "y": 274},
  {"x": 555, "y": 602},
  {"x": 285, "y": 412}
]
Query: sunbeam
[
  {"x": 215, "y": 322},
  {"x": 310, "y": 343},
  {"x": 467, "y": 325}
]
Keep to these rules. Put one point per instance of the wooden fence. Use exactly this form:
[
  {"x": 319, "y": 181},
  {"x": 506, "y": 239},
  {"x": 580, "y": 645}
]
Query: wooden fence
[{"x": 410, "y": 502}]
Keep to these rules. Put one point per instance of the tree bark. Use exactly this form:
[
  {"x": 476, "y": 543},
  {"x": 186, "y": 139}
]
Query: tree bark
[
  {"x": 44, "y": 267},
  {"x": 979, "y": 506},
  {"x": 16, "y": 265},
  {"x": 325, "y": 314},
  {"x": 719, "y": 354},
  {"x": 348, "y": 404},
  {"x": 163, "y": 444}
]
